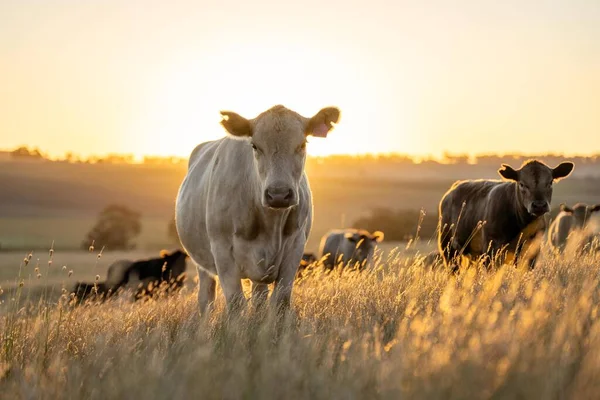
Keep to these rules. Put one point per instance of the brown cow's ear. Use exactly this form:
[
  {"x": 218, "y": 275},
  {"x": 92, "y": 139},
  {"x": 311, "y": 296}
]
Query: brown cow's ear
[
  {"x": 235, "y": 124},
  {"x": 508, "y": 172},
  {"x": 563, "y": 170},
  {"x": 565, "y": 208},
  {"x": 378, "y": 236},
  {"x": 322, "y": 122},
  {"x": 595, "y": 208}
]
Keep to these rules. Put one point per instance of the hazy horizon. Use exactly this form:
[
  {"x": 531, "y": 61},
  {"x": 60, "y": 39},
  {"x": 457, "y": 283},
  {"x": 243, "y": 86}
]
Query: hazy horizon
[
  {"x": 102, "y": 77},
  {"x": 413, "y": 157}
]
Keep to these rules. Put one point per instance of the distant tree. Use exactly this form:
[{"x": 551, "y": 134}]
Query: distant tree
[
  {"x": 24, "y": 152},
  {"x": 115, "y": 229},
  {"x": 172, "y": 231}
]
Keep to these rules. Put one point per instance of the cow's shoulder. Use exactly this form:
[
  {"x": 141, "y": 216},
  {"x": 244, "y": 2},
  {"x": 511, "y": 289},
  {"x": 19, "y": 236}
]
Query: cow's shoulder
[
  {"x": 471, "y": 194},
  {"x": 203, "y": 151}
]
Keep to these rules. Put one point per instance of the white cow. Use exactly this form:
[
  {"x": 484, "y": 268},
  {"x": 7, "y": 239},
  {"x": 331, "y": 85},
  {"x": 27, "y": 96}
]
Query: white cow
[{"x": 244, "y": 209}]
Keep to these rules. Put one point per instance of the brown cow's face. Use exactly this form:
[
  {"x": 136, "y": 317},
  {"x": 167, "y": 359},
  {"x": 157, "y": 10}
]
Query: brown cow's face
[
  {"x": 277, "y": 138},
  {"x": 534, "y": 183},
  {"x": 581, "y": 213}
]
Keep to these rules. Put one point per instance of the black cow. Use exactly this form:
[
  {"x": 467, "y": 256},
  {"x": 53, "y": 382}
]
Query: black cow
[
  {"x": 168, "y": 269},
  {"x": 83, "y": 291}
]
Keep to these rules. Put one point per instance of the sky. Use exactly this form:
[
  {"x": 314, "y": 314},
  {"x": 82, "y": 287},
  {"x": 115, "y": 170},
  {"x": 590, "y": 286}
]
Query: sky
[{"x": 416, "y": 77}]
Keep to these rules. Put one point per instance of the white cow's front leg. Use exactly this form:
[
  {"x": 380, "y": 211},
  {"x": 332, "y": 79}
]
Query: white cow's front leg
[
  {"x": 260, "y": 292},
  {"x": 282, "y": 292},
  {"x": 206, "y": 291},
  {"x": 229, "y": 277}
]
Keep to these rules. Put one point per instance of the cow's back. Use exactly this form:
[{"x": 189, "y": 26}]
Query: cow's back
[
  {"x": 467, "y": 200},
  {"x": 215, "y": 195},
  {"x": 560, "y": 229},
  {"x": 472, "y": 193},
  {"x": 115, "y": 275},
  {"x": 462, "y": 209},
  {"x": 332, "y": 245},
  {"x": 190, "y": 215}
]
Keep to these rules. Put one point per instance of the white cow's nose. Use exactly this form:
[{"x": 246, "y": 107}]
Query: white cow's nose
[{"x": 279, "y": 197}]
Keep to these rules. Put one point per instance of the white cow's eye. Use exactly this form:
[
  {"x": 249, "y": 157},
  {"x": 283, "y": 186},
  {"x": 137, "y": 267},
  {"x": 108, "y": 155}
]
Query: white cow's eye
[{"x": 253, "y": 146}]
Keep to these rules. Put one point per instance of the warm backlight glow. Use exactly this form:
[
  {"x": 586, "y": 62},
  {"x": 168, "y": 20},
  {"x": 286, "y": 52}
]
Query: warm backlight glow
[
  {"x": 97, "y": 77},
  {"x": 186, "y": 105}
]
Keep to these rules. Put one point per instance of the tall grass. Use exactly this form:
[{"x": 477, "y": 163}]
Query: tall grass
[{"x": 400, "y": 331}]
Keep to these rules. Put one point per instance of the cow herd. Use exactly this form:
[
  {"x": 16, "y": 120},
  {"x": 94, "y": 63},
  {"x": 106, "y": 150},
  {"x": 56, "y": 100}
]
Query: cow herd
[
  {"x": 244, "y": 211},
  {"x": 165, "y": 273}
]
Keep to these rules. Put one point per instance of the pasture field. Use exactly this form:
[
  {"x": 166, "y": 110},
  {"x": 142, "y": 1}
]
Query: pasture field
[
  {"x": 42, "y": 203},
  {"x": 27, "y": 233},
  {"x": 400, "y": 331}
]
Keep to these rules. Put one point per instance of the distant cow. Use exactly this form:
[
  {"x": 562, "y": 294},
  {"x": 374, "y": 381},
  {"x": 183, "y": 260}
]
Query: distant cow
[
  {"x": 306, "y": 261},
  {"x": 433, "y": 259},
  {"x": 571, "y": 220},
  {"x": 349, "y": 246},
  {"x": 90, "y": 291},
  {"x": 244, "y": 210},
  {"x": 168, "y": 268},
  {"x": 486, "y": 217},
  {"x": 116, "y": 272}
]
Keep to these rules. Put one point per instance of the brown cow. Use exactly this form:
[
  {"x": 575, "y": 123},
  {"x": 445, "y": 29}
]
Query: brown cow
[{"x": 487, "y": 217}]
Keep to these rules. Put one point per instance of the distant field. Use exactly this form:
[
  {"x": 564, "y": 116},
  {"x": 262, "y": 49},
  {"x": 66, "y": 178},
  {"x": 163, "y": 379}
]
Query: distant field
[
  {"x": 68, "y": 232},
  {"x": 85, "y": 265},
  {"x": 40, "y": 203}
]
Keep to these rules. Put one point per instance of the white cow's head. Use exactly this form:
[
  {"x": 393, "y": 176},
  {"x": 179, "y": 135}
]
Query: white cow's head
[{"x": 277, "y": 137}]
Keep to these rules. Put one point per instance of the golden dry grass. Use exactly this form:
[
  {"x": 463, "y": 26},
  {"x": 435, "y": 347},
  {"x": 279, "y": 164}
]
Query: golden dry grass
[{"x": 401, "y": 331}]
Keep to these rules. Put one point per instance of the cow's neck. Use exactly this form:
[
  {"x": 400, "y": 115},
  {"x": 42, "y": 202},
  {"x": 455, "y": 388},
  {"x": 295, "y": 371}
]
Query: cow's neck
[
  {"x": 274, "y": 224},
  {"x": 264, "y": 222},
  {"x": 275, "y": 220},
  {"x": 522, "y": 216}
]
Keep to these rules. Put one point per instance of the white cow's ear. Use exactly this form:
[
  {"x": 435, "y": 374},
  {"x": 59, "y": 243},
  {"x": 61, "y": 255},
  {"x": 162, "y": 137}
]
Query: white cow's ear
[
  {"x": 235, "y": 124},
  {"x": 322, "y": 123}
]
